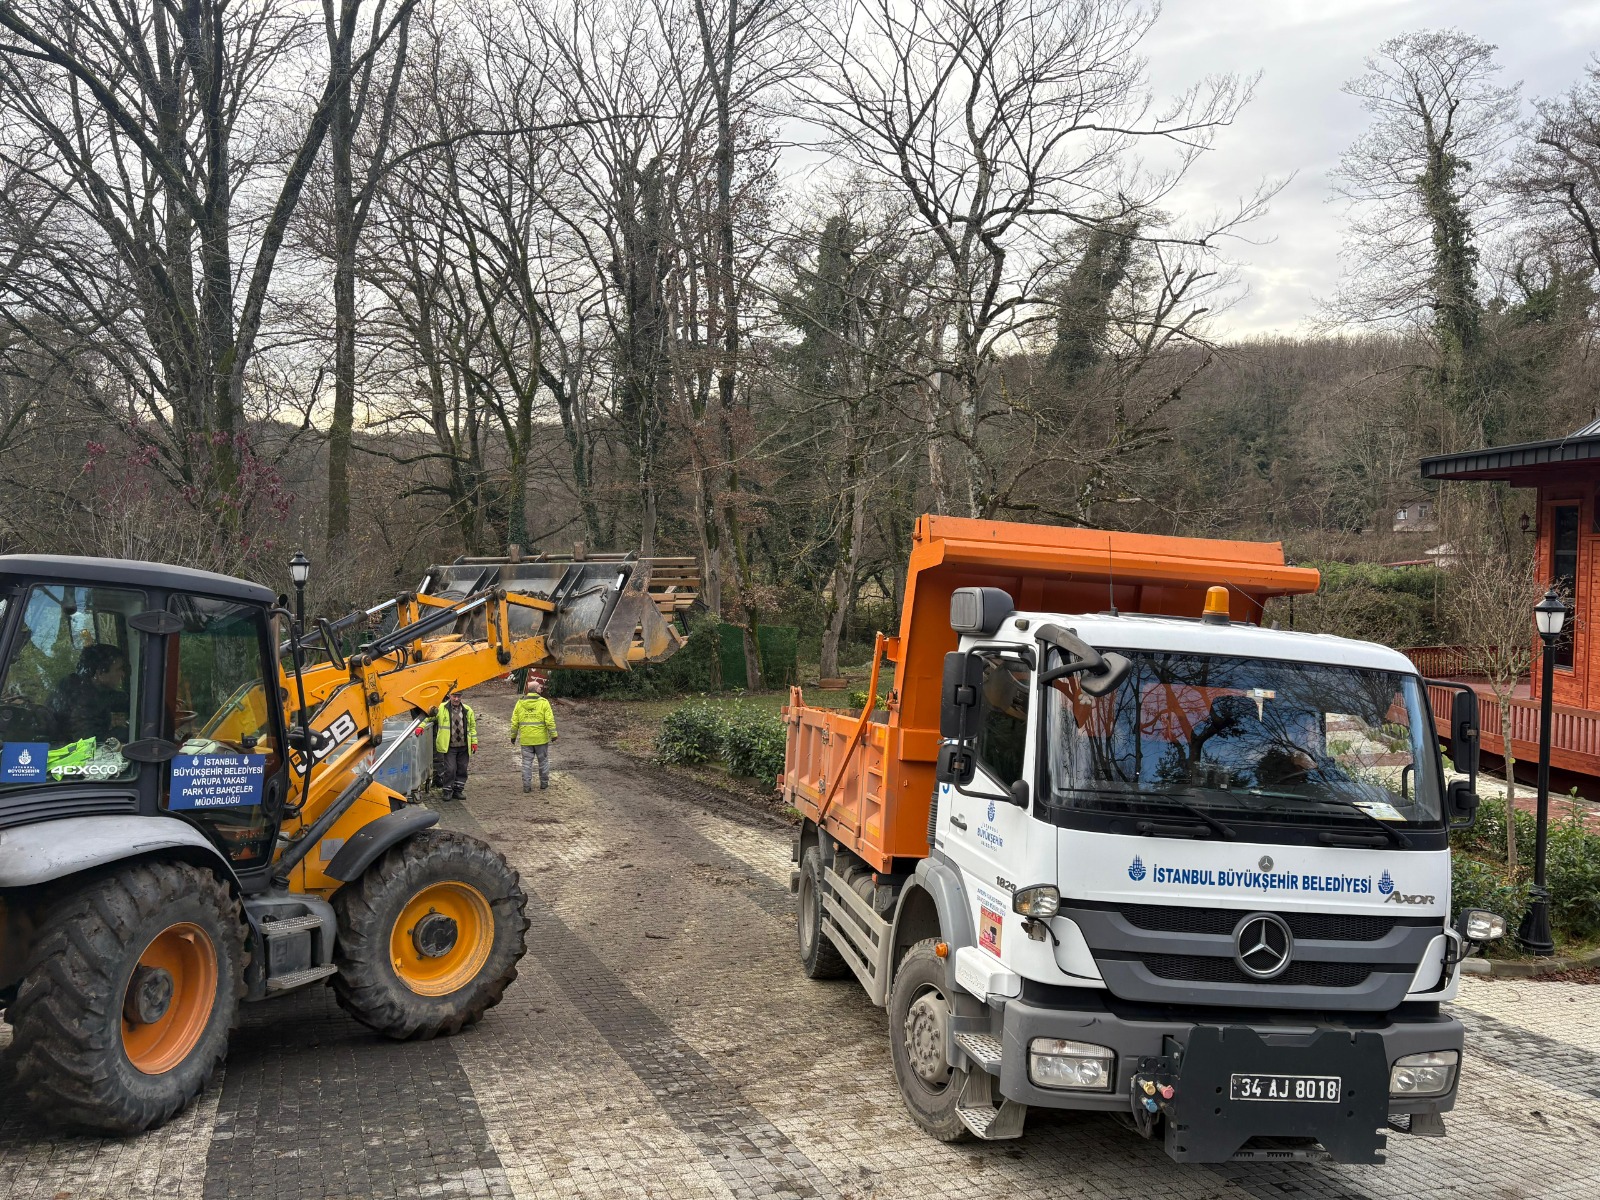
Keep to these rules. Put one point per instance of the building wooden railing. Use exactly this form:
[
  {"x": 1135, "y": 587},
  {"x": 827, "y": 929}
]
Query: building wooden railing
[
  {"x": 1574, "y": 732},
  {"x": 1444, "y": 662}
]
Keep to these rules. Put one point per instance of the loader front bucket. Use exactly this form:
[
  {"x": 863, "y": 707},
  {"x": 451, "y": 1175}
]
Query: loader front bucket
[{"x": 607, "y": 617}]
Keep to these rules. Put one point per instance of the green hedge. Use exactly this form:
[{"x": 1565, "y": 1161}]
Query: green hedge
[
  {"x": 1572, "y": 869},
  {"x": 777, "y": 646},
  {"x": 691, "y": 669},
  {"x": 748, "y": 739}
]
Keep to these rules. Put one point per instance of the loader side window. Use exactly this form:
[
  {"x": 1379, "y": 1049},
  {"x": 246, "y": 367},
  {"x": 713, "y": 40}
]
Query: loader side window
[
  {"x": 1003, "y": 720},
  {"x": 219, "y": 711},
  {"x": 68, "y": 694}
]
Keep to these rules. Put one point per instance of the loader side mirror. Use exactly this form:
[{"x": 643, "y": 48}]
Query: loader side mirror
[{"x": 960, "y": 695}]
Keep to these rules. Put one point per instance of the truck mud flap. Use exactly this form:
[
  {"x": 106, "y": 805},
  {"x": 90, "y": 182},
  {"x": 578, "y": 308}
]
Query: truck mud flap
[
  {"x": 1207, "y": 1124},
  {"x": 861, "y": 936}
]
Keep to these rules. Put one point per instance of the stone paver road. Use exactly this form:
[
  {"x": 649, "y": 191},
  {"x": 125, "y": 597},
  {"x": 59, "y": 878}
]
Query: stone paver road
[{"x": 661, "y": 1042}]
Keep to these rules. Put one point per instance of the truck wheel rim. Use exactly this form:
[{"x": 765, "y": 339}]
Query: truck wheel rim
[
  {"x": 434, "y": 965},
  {"x": 925, "y": 1026},
  {"x": 808, "y": 914},
  {"x": 175, "y": 984}
]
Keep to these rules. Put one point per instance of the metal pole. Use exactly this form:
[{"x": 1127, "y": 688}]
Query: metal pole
[
  {"x": 300, "y": 609},
  {"x": 1535, "y": 934}
]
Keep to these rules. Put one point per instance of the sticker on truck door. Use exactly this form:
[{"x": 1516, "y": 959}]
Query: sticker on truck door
[
  {"x": 989, "y": 925},
  {"x": 991, "y": 920}
]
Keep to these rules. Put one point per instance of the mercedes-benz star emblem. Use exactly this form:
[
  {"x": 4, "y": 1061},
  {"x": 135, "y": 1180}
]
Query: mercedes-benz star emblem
[
  {"x": 1266, "y": 862},
  {"x": 1263, "y": 945}
]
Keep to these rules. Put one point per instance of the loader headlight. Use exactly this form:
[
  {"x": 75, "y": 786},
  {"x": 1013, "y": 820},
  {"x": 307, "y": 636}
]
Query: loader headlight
[
  {"x": 1430, "y": 1074},
  {"x": 1041, "y": 901},
  {"x": 1079, "y": 1066}
]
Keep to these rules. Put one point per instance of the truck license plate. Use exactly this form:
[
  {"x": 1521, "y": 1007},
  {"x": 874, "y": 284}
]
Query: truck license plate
[{"x": 1320, "y": 1088}]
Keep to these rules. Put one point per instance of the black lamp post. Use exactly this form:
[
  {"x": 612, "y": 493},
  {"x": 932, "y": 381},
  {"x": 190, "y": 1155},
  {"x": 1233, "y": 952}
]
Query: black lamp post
[
  {"x": 1550, "y": 614},
  {"x": 300, "y": 572}
]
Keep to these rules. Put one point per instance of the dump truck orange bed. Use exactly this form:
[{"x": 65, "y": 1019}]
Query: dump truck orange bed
[{"x": 869, "y": 782}]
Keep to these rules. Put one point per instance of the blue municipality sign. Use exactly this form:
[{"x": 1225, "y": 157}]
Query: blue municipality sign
[
  {"x": 217, "y": 780},
  {"x": 24, "y": 762}
]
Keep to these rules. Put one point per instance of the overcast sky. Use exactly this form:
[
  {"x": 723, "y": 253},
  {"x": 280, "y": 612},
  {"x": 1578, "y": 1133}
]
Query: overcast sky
[{"x": 1300, "y": 121}]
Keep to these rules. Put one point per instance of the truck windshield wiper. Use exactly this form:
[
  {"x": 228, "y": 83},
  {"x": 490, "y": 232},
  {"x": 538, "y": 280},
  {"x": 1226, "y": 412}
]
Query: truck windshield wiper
[
  {"x": 1193, "y": 810},
  {"x": 1389, "y": 831}
]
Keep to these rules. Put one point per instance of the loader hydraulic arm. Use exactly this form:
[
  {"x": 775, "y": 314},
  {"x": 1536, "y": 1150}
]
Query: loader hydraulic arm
[{"x": 592, "y": 615}]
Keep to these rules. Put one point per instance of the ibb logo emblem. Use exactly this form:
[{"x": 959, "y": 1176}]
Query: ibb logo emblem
[
  {"x": 1385, "y": 884},
  {"x": 991, "y": 810},
  {"x": 1136, "y": 869}
]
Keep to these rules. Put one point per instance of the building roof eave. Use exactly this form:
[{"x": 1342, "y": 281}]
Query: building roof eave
[{"x": 1517, "y": 465}]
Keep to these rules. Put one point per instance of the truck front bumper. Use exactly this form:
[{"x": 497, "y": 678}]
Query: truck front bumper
[{"x": 1360, "y": 1053}]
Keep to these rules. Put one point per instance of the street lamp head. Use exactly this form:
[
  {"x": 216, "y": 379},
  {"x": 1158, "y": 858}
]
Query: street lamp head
[
  {"x": 1550, "y": 614},
  {"x": 299, "y": 569}
]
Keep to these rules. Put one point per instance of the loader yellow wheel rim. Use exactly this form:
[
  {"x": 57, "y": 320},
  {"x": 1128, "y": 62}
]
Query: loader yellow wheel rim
[
  {"x": 168, "y": 1001},
  {"x": 442, "y": 938}
]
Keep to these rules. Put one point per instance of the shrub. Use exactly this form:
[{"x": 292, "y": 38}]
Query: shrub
[
  {"x": 1572, "y": 869},
  {"x": 692, "y": 734},
  {"x": 753, "y": 743}
]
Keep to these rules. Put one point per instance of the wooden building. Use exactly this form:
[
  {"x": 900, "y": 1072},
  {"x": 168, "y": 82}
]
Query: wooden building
[{"x": 1565, "y": 472}]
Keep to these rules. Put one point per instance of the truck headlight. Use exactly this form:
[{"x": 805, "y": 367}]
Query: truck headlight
[
  {"x": 1055, "y": 1063},
  {"x": 1480, "y": 925},
  {"x": 1430, "y": 1074},
  {"x": 1042, "y": 901}
]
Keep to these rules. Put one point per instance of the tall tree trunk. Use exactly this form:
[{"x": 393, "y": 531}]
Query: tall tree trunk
[
  {"x": 842, "y": 586},
  {"x": 341, "y": 136},
  {"x": 1511, "y": 785}
]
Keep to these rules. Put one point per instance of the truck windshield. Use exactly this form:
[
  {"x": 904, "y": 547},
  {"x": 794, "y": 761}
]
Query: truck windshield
[{"x": 1247, "y": 739}]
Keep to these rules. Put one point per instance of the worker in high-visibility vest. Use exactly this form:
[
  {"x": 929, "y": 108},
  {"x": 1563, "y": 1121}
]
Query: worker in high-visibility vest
[
  {"x": 533, "y": 727},
  {"x": 455, "y": 741}
]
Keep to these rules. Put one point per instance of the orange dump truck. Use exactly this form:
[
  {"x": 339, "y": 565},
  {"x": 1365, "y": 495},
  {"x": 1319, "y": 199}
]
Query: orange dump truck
[{"x": 1109, "y": 834}]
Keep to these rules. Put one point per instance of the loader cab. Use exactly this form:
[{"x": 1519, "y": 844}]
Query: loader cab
[{"x": 129, "y": 687}]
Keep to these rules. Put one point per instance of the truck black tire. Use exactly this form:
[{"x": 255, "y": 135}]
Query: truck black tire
[
  {"x": 919, "y": 1012},
  {"x": 429, "y": 936},
  {"x": 818, "y": 956},
  {"x": 132, "y": 983}
]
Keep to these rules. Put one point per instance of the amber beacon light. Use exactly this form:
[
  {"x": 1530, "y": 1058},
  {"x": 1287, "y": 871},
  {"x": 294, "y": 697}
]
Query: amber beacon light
[{"x": 1216, "y": 610}]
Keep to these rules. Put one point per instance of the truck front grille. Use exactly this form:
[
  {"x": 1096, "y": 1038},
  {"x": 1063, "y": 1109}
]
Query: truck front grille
[
  {"x": 1331, "y": 927},
  {"x": 1199, "y": 968}
]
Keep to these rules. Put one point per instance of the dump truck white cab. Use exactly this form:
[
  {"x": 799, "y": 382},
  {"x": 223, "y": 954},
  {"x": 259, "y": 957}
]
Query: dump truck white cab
[{"x": 1206, "y": 873}]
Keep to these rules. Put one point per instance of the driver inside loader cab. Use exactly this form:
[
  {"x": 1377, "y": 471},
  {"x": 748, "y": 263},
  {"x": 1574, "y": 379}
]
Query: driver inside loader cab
[{"x": 93, "y": 700}]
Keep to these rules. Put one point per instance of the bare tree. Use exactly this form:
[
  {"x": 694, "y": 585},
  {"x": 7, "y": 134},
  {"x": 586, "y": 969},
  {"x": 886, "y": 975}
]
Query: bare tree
[
  {"x": 1557, "y": 170},
  {"x": 1494, "y": 598},
  {"x": 1005, "y": 123},
  {"x": 149, "y": 124},
  {"x": 1420, "y": 184}
]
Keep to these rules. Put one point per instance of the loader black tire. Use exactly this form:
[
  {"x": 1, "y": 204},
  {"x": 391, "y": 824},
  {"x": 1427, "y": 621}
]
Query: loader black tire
[
  {"x": 922, "y": 979},
  {"x": 75, "y": 1044},
  {"x": 819, "y": 957},
  {"x": 390, "y": 920}
]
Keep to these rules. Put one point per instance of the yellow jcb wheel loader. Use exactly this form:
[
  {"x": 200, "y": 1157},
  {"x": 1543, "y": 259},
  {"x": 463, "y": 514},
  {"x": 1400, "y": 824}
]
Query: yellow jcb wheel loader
[{"x": 191, "y": 815}]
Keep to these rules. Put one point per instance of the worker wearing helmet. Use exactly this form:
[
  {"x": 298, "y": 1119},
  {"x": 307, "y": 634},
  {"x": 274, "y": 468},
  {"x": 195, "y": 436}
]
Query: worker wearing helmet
[
  {"x": 533, "y": 727},
  {"x": 455, "y": 741}
]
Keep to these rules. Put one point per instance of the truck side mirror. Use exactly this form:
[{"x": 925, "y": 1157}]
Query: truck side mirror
[
  {"x": 1462, "y": 802},
  {"x": 959, "y": 696},
  {"x": 1464, "y": 734},
  {"x": 956, "y": 765}
]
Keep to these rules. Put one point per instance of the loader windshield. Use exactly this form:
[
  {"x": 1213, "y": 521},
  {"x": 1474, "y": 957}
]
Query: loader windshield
[
  {"x": 67, "y": 700},
  {"x": 1248, "y": 740}
]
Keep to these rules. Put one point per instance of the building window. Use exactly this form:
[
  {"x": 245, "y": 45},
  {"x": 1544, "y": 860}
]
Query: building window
[
  {"x": 1401, "y": 515},
  {"x": 1564, "y": 574}
]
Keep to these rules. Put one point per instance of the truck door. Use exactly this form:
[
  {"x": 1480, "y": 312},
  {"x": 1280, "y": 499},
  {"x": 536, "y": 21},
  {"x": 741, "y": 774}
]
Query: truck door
[
  {"x": 222, "y": 710},
  {"x": 985, "y": 833}
]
